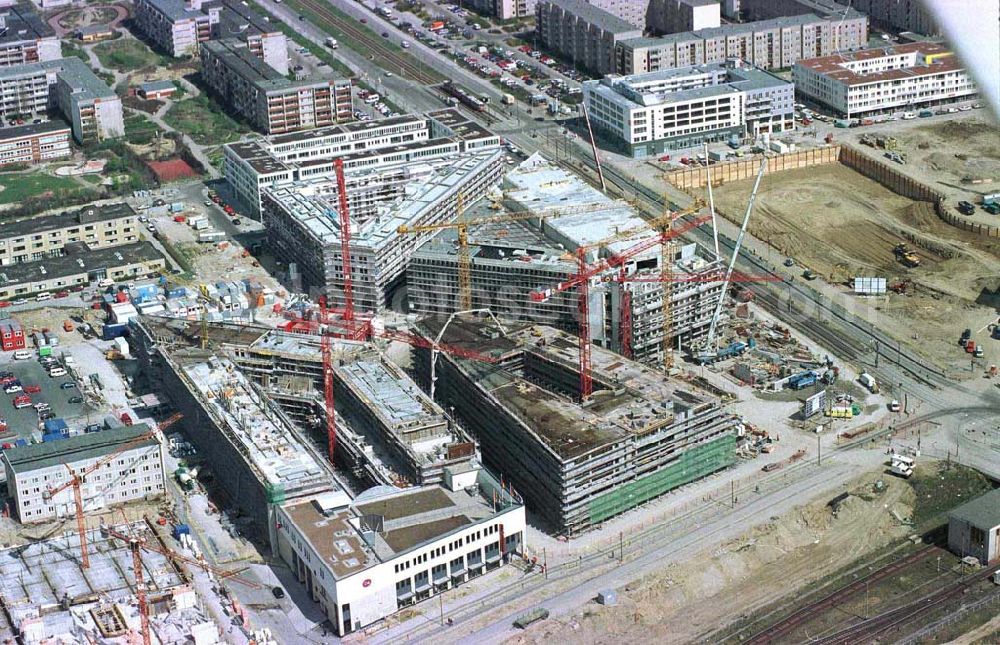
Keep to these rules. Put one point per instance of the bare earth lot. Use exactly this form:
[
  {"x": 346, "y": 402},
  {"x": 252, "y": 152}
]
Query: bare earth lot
[{"x": 841, "y": 224}]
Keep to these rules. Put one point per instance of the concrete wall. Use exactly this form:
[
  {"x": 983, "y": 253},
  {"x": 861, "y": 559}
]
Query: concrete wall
[{"x": 724, "y": 173}]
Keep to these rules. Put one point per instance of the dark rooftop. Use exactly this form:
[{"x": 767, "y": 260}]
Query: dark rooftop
[
  {"x": 22, "y": 22},
  {"x": 76, "y": 261},
  {"x": 67, "y": 451},
  {"x": 394, "y": 508},
  {"x": 45, "y": 223},
  {"x": 33, "y": 129},
  {"x": 982, "y": 512},
  {"x": 408, "y": 537}
]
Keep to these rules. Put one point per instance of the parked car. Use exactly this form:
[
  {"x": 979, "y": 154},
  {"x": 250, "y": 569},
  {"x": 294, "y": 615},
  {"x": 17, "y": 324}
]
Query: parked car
[
  {"x": 76, "y": 399},
  {"x": 68, "y": 385}
]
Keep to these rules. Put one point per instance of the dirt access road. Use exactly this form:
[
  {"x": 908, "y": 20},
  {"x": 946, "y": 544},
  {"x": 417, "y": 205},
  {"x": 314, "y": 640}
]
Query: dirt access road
[{"x": 841, "y": 224}]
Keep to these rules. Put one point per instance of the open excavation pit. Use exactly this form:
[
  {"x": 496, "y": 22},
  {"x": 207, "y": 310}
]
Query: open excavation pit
[{"x": 841, "y": 224}]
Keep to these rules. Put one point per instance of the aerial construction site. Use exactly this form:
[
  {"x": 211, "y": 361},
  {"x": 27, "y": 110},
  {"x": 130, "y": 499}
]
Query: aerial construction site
[{"x": 498, "y": 353}]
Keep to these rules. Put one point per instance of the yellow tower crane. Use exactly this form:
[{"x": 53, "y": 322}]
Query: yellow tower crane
[{"x": 462, "y": 226}]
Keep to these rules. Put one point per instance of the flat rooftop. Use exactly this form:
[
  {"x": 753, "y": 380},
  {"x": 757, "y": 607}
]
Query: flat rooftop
[
  {"x": 458, "y": 125},
  {"x": 22, "y": 22},
  {"x": 265, "y": 441},
  {"x": 928, "y": 59},
  {"x": 313, "y": 203},
  {"x": 34, "y": 129},
  {"x": 94, "y": 445},
  {"x": 235, "y": 55},
  {"x": 86, "y": 85},
  {"x": 540, "y": 186},
  {"x": 79, "y": 259},
  {"x": 187, "y": 333},
  {"x": 393, "y": 395},
  {"x": 407, "y": 518},
  {"x": 94, "y": 214},
  {"x": 594, "y": 16},
  {"x": 982, "y": 512},
  {"x": 344, "y": 129},
  {"x": 629, "y": 398}
]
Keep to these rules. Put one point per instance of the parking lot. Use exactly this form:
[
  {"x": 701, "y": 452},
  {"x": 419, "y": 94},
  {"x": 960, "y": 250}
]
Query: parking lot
[{"x": 24, "y": 423}]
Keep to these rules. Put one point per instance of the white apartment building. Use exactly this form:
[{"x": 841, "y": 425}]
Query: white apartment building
[
  {"x": 647, "y": 114},
  {"x": 902, "y": 77},
  {"x": 388, "y": 549},
  {"x": 36, "y": 469}
]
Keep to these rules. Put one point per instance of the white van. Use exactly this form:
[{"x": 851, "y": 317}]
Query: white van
[
  {"x": 22, "y": 355},
  {"x": 372, "y": 99},
  {"x": 45, "y": 295},
  {"x": 106, "y": 282},
  {"x": 57, "y": 371}
]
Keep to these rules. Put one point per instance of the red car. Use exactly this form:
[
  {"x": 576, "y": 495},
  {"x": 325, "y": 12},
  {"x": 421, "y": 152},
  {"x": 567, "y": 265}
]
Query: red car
[
  {"x": 32, "y": 389},
  {"x": 4, "y": 303},
  {"x": 126, "y": 419},
  {"x": 7, "y": 380},
  {"x": 61, "y": 294},
  {"x": 22, "y": 401}
]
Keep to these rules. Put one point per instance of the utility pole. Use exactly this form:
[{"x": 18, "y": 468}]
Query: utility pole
[
  {"x": 441, "y": 602},
  {"x": 819, "y": 451},
  {"x": 876, "y": 354},
  {"x": 732, "y": 493},
  {"x": 621, "y": 547}
]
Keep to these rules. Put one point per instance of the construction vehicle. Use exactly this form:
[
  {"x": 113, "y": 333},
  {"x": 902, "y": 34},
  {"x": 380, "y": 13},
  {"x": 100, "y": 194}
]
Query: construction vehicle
[
  {"x": 907, "y": 257},
  {"x": 995, "y": 334},
  {"x": 113, "y": 355},
  {"x": 802, "y": 381},
  {"x": 68, "y": 325},
  {"x": 708, "y": 349},
  {"x": 896, "y": 156},
  {"x": 966, "y": 335},
  {"x": 886, "y": 143},
  {"x": 869, "y": 382}
]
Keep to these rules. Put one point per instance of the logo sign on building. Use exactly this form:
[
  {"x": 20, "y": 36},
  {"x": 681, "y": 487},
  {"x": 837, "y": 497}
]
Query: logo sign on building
[
  {"x": 814, "y": 404},
  {"x": 869, "y": 286}
]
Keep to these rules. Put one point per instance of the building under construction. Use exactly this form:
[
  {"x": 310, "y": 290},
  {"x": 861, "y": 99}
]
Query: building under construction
[
  {"x": 510, "y": 260},
  {"x": 639, "y": 435},
  {"x": 304, "y": 224}
]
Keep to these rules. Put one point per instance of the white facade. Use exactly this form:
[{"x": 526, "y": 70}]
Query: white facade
[
  {"x": 906, "y": 77},
  {"x": 358, "y": 582},
  {"x": 134, "y": 474},
  {"x": 680, "y": 108}
]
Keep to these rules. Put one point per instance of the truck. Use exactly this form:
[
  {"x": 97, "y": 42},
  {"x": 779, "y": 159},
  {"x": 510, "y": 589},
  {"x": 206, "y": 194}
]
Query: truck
[
  {"x": 991, "y": 198},
  {"x": 177, "y": 207},
  {"x": 868, "y": 381},
  {"x": 211, "y": 236},
  {"x": 802, "y": 381},
  {"x": 331, "y": 42},
  {"x": 507, "y": 99}
]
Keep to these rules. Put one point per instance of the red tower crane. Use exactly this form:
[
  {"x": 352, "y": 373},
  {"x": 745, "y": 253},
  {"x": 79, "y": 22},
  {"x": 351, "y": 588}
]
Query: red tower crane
[
  {"x": 76, "y": 480},
  {"x": 345, "y": 241},
  {"x": 581, "y": 280},
  {"x": 325, "y": 339}
]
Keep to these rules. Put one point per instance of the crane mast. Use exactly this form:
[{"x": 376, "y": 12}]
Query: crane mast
[{"x": 709, "y": 347}]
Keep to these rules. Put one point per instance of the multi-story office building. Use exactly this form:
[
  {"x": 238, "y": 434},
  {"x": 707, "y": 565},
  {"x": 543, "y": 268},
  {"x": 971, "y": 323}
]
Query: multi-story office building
[
  {"x": 35, "y": 142},
  {"x": 304, "y": 229},
  {"x": 389, "y": 548},
  {"x": 177, "y": 26},
  {"x": 33, "y": 470},
  {"x": 267, "y": 99},
  {"x": 253, "y": 166},
  {"x": 769, "y": 44},
  {"x": 674, "y": 16},
  {"x": 646, "y": 114},
  {"x": 576, "y": 466},
  {"x": 511, "y": 260},
  {"x": 25, "y": 37},
  {"x": 66, "y": 85},
  {"x": 906, "y": 76},
  {"x": 582, "y": 33}
]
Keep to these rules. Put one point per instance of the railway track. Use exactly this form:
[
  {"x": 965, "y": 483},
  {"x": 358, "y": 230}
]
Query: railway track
[
  {"x": 781, "y": 629},
  {"x": 876, "y": 626},
  {"x": 374, "y": 44}
]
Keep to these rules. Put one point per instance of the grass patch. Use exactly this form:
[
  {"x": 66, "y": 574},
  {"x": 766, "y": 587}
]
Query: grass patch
[
  {"x": 22, "y": 187},
  {"x": 94, "y": 180},
  {"x": 318, "y": 51},
  {"x": 139, "y": 130},
  {"x": 204, "y": 121},
  {"x": 180, "y": 256},
  {"x": 72, "y": 49},
  {"x": 126, "y": 55},
  {"x": 940, "y": 487}
]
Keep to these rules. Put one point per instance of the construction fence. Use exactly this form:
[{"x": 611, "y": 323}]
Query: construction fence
[{"x": 724, "y": 173}]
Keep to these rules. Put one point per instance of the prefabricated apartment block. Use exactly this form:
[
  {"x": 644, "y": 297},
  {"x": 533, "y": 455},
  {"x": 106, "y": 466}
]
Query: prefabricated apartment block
[
  {"x": 509, "y": 261},
  {"x": 32, "y": 470},
  {"x": 266, "y": 97},
  {"x": 252, "y": 166},
  {"x": 25, "y": 37},
  {"x": 647, "y": 114},
  {"x": 641, "y": 434},
  {"x": 767, "y": 44},
  {"x": 178, "y": 26},
  {"x": 34, "y": 143},
  {"x": 92, "y": 108},
  {"x": 44, "y": 236},
  {"x": 908, "y": 76},
  {"x": 582, "y": 33},
  {"x": 303, "y": 224}
]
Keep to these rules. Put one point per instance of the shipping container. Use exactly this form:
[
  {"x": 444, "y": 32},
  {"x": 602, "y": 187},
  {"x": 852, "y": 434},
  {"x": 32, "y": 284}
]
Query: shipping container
[{"x": 113, "y": 331}]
